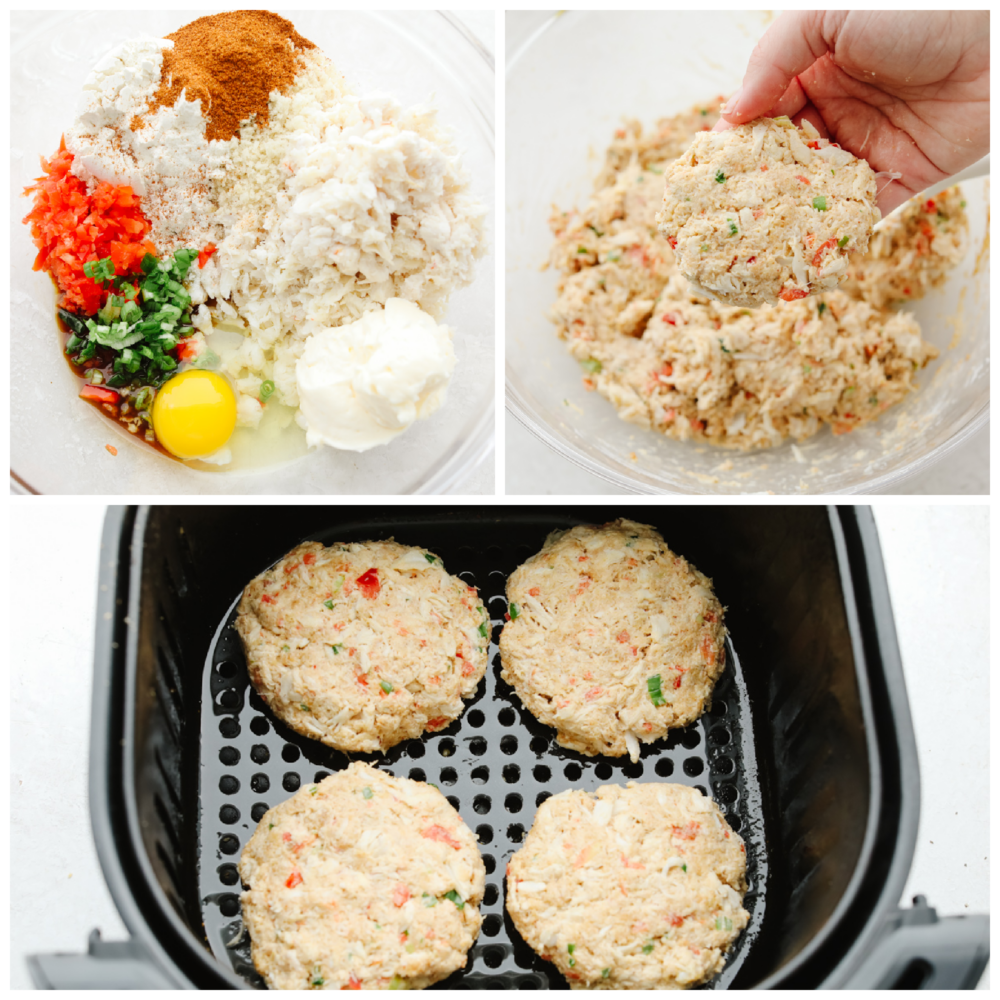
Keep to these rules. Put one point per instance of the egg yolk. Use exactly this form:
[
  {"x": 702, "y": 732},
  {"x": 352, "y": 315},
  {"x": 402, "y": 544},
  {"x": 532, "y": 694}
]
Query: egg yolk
[{"x": 194, "y": 413}]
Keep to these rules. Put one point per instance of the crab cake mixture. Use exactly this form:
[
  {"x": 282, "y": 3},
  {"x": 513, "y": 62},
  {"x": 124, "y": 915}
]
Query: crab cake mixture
[
  {"x": 363, "y": 644},
  {"x": 766, "y": 211},
  {"x": 630, "y": 888},
  {"x": 364, "y": 881},
  {"x": 613, "y": 639},
  {"x": 632, "y": 321}
]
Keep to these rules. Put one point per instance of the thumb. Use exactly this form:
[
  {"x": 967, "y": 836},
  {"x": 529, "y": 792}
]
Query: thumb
[{"x": 789, "y": 47}]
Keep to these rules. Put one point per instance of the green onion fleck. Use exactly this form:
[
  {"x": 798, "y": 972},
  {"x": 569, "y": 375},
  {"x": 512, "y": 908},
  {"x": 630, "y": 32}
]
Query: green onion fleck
[
  {"x": 312, "y": 791},
  {"x": 843, "y": 241},
  {"x": 819, "y": 203},
  {"x": 514, "y": 610},
  {"x": 286, "y": 648},
  {"x": 723, "y": 924},
  {"x": 605, "y": 973},
  {"x": 482, "y": 630},
  {"x": 318, "y": 981},
  {"x": 266, "y": 390},
  {"x": 430, "y": 558},
  {"x": 655, "y": 694},
  {"x": 732, "y": 227},
  {"x": 806, "y": 369},
  {"x": 386, "y": 687},
  {"x": 684, "y": 869},
  {"x": 396, "y": 983},
  {"x": 597, "y": 233},
  {"x": 571, "y": 948},
  {"x": 455, "y": 898},
  {"x": 429, "y": 900},
  {"x": 873, "y": 400},
  {"x": 722, "y": 344},
  {"x": 591, "y": 365},
  {"x": 821, "y": 308},
  {"x": 305, "y": 708},
  {"x": 720, "y": 178},
  {"x": 961, "y": 204},
  {"x": 328, "y": 604},
  {"x": 705, "y": 248},
  {"x": 647, "y": 948},
  {"x": 366, "y": 792},
  {"x": 572, "y": 962},
  {"x": 582, "y": 250},
  {"x": 704, "y": 112},
  {"x": 337, "y": 649}
]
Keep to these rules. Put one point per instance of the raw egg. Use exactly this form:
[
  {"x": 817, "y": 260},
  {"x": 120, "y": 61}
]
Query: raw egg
[{"x": 194, "y": 413}]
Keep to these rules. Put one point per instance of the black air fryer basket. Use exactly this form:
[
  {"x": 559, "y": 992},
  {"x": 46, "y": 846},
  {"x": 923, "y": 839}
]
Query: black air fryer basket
[{"x": 808, "y": 747}]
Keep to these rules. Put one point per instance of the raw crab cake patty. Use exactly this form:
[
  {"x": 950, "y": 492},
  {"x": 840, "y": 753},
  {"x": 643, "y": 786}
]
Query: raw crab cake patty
[
  {"x": 363, "y": 644},
  {"x": 630, "y": 888},
  {"x": 766, "y": 211},
  {"x": 613, "y": 639},
  {"x": 364, "y": 881}
]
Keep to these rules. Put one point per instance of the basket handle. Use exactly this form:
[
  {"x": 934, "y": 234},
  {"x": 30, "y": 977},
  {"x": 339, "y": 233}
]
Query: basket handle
[
  {"x": 926, "y": 952},
  {"x": 107, "y": 965}
]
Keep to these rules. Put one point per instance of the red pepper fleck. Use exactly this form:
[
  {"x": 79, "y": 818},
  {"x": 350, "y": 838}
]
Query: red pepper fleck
[
  {"x": 286, "y": 837},
  {"x": 791, "y": 294},
  {"x": 709, "y": 617},
  {"x": 582, "y": 558},
  {"x": 676, "y": 921},
  {"x": 368, "y": 584},
  {"x": 265, "y": 599},
  {"x": 437, "y": 723},
  {"x": 439, "y": 833},
  {"x": 805, "y": 180},
  {"x": 672, "y": 240},
  {"x": 205, "y": 255},
  {"x": 930, "y": 206},
  {"x": 819, "y": 253},
  {"x": 352, "y": 984},
  {"x": 100, "y": 394},
  {"x": 813, "y": 145},
  {"x": 293, "y": 880},
  {"x": 623, "y": 636},
  {"x": 670, "y": 318},
  {"x": 534, "y": 592},
  {"x": 750, "y": 260},
  {"x": 309, "y": 558},
  {"x": 687, "y": 832},
  {"x": 111, "y": 449},
  {"x": 506, "y": 617},
  {"x": 292, "y": 568},
  {"x": 400, "y": 895},
  {"x": 677, "y": 683}
]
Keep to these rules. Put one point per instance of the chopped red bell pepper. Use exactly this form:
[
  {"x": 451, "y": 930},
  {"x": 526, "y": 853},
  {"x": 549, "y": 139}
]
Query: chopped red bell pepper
[
  {"x": 368, "y": 583},
  {"x": 99, "y": 393}
]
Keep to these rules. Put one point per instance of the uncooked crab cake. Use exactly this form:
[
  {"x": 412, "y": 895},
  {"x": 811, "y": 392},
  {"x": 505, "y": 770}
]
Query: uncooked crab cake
[
  {"x": 630, "y": 888},
  {"x": 364, "y": 881},
  {"x": 363, "y": 644},
  {"x": 612, "y": 639},
  {"x": 766, "y": 211}
]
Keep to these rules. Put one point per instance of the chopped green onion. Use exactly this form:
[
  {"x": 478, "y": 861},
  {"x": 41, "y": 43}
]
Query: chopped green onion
[
  {"x": 819, "y": 203},
  {"x": 723, "y": 924},
  {"x": 266, "y": 390},
  {"x": 429, "y": 900},
  {"x": 597, "y": 233},
  {"x": 513, "y": 610},
  {"x": 430, "y": 558},
  {"x": 386, "y": 687},
  {"x": 312, "y": 791},
  {"x": 647, "y": 948},
  {"x": 482, "y": 630},
  {"x": 304, "y": 707},
  {"x": 318, "y": 981},
  {"x": 455, "y": 898},
  {"x": 328, "y": 604},
  {"x": 605, "y": 973},
  {"x": 821, "y": 308},
  {"x": 705, "y": 248},
  {"x": 873, "y": 400},
  {"x": 572, "y": 962},
  {"x": 720, "y": 178},
  {"x": 591, "y": 365},
  {"x": 571, "y": 948},
  {"x": 337, "y": 650},
  {"x": 722, "y": 344},
  {"x": 704, "y": 112},
  {"x": 961, "y": 204},
  {"x": 286, "y": 648},
  {"x": 582, "y": 250},
  {"x": 655, "y": 693},
  {"x": 732, "y": 227},
  {"x": 396, "y": 983},
  {"x": 806, "y": 369},
  {"x": 366, "y": 792},
  {"x": 684, "y": 868},
  {"x": 843, "y": 241}
]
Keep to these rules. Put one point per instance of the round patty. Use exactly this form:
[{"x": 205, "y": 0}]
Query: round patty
[
  {"x": 766, "y": 211},
  {"x": 630, "y": 888},
  {"x": 613, "y": 639},
  {"x": 363, "y": 881},
  {"x": 363, "y": 644}
]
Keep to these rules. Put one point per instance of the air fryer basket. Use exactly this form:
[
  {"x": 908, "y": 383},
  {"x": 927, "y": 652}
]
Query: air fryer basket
[{"x": 808, "y": 746}]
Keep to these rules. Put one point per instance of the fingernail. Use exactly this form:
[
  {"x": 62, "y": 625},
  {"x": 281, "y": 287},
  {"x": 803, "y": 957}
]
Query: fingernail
[{"x": 730, "y": 107}]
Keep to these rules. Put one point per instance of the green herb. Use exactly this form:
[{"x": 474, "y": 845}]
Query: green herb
[
  {"x": 337, "y": 650},
  {"x": 312, "y": 791},
  {"x": 723, "y": 924},
  {"x": 647, "y": 948},
  {"x": 328, "y": 604},
  {"x": 843, "y": 241},
  {"x": 286, "y": 648},
  {"x": 386, "y": 687},
  {"x": 720, "y": 178},
  {"x": 143, "y": 399},
  {"x": 571, "y": 948},
  {"x": 614, "y": 255},
  {"x": 597, "y": 233},
  {"x": 806, "y": 369},
  {"x": 572, "y": 962},
  {"x": 961, "y": 204},
  {"x": 819, "y": 203},
  {"x": 832, "y": 171},
  {"x": 266, "y": 390},
  {"x": 582, "y": 250},
  {"x": 366, "y": 792},
  {"x": 591, "y": 365},
  {"x": 100, "y": 270},
  {"x": 684, "y": 868},
  {"x": 396, "y": 983},
  {"x": 850, "y": 389},
  {"x": 654, "y": 170},
  {"x": 705, "y": 248},
  {"x": 821, "y": 308},
  {"x": 455, "y": 898},
  {"x": 725, "y": 349},
  {"x": 704, "y": 112},
  {"x": 513, "y": 610},
  {"x": 732, "y": 227},
  {"x": 305, "y": 708},
  {"x": 605, "y": 973},
  {"x": 429, "y": 900},
  {"x": 270, "y": 826},
  {"x": 482, "y": 630},
  {"x": 318, "y": 981},
  {"x": 641, "y": 178},
  {"x": 655, "y": 694},
  {"x": 430, "y": 558}
]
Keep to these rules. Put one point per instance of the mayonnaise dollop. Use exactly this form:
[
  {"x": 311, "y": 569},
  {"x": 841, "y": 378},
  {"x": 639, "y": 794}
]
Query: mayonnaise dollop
[{"x": 362, "y": 384}]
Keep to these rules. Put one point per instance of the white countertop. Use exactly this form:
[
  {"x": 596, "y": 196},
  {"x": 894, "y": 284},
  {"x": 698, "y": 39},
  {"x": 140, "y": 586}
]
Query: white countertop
[
  {"x": 534, "y": 469},
  {"x": 937, "y": 564}
]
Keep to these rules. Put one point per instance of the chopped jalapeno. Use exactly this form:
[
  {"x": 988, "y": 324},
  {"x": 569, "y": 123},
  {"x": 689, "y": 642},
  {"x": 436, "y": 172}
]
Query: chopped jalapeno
[
  {"x": 655, "y": 693},
  {"x": 328, "y": 604},
  {"x": 819, "y": 203}
]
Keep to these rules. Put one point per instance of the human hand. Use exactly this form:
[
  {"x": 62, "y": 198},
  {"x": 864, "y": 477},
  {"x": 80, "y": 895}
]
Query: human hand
[{"x": 909, "y": 91}]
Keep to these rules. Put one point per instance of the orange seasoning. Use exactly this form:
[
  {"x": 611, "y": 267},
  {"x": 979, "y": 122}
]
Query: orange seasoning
[{"x": 231, "y": 62}]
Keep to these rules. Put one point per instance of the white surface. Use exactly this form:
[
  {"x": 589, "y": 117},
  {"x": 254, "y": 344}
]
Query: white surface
[
  {"x": 937, "y": 564},
  {"x": 533, "y": 469}
]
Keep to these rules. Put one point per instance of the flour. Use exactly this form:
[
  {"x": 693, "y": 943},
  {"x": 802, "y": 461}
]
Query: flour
[{"x": 163, "y": 156}]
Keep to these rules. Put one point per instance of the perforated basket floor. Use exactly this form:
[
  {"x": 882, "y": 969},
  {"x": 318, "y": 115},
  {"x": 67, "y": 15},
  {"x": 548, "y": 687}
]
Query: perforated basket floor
[{"x": 496, "y": 764}]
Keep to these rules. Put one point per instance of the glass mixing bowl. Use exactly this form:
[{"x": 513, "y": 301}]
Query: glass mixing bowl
[
  {"x": 571, "y": 79},
  {"x": 58, "y": 441}
]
